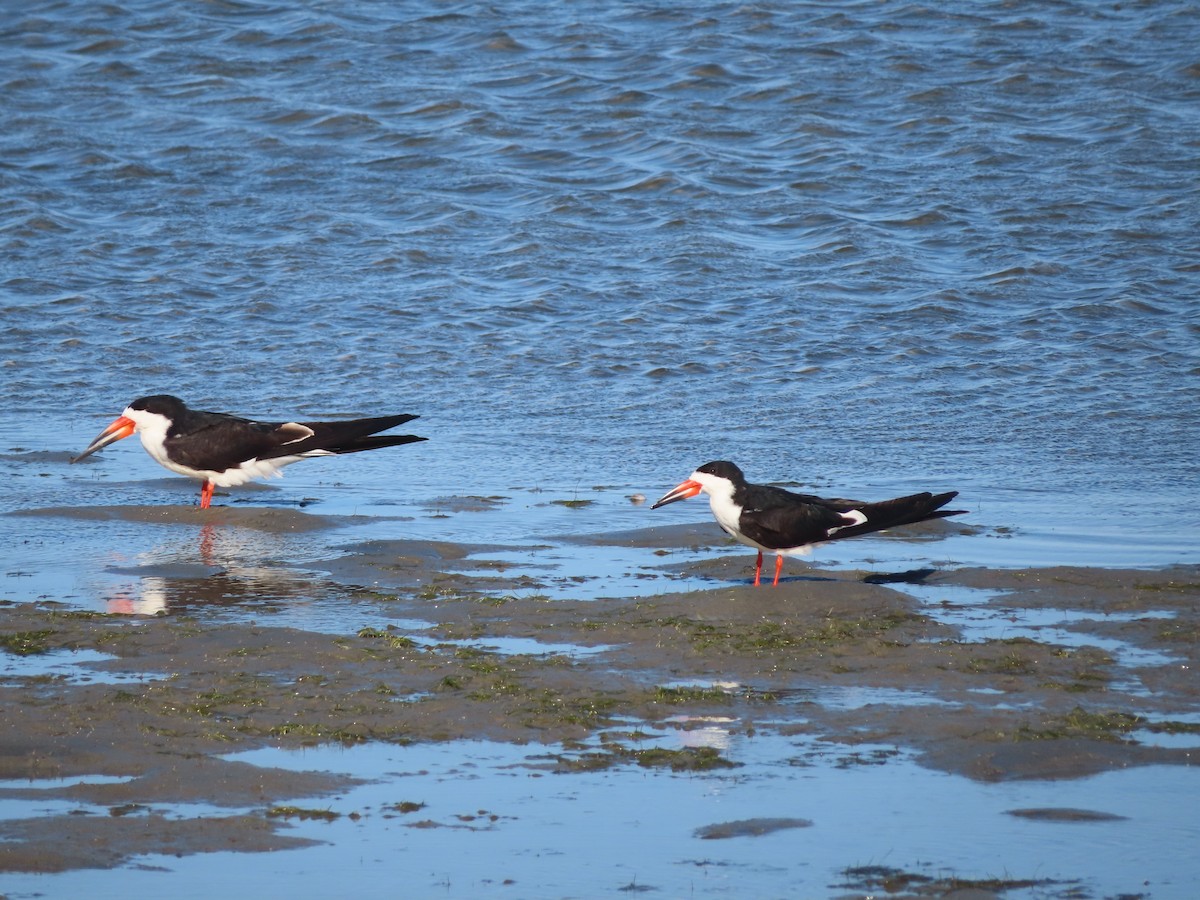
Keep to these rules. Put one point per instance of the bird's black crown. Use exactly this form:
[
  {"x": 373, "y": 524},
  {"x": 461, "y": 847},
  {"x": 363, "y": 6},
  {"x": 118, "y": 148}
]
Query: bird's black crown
[
  {"x": 162, "y": 404},
  {"x": 723, "y": 469}
]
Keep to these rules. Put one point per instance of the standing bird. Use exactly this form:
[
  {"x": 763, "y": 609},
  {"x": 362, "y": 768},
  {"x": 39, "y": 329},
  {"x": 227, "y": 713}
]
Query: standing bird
[
  {"x": 771, "y": 519},
  {"x": 224, "y": 450}
]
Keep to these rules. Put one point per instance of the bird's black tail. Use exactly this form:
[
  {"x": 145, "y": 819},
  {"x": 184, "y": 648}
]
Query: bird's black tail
[
  {"x": 349, "y": 436},
  {"x": 901, "y": 511},
  {"x": 374, "y": 442}
]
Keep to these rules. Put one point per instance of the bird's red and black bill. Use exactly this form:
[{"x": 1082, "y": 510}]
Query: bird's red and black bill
[
  {"x": 121, "y": 427},
  {"x": 682, "y": 491}
]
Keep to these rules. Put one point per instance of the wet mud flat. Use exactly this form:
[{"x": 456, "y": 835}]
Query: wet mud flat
[{"x": 941, "y": 666}]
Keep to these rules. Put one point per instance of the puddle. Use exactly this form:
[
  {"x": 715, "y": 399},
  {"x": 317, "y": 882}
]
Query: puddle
[
  {"x": 503, "y": 646},
  {"x": 524, "y": 647},
  {"x": 828, "y": 696},
  {"x": 1167, "y": 739},
  {"x": 1181, "y": 731},
  {"x": 979, "y": 617},
  {"x": 65, "y": 667},
  {"x": 611, "y": 571},
  {"x": 857, "y": 697},
  {"x": 715, "y": 732},
  {"x": 54, "y": 784}
]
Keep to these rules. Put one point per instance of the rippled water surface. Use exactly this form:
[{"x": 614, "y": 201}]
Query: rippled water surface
[{"x": 865, "y": 245}]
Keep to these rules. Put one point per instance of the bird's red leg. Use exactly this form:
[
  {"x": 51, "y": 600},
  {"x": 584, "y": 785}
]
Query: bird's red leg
[
  {"x": 758, "y": 569},
  {"x": 778, "y": 569},
  {"x": 206, "y": 493}
]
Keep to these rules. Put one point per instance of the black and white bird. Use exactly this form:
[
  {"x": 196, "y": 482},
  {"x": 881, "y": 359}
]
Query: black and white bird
[
  {"x": 773, "y": 520},
  {"x": 224, "y": 451}
]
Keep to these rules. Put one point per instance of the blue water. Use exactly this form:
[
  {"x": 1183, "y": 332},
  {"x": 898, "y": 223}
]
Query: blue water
[{"x": 867, "y": 247}]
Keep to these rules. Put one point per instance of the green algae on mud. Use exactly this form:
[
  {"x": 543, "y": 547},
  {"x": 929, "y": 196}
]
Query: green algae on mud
[
  {"x": 893, "y": 881},
  {"x": 26, "y": 643}
]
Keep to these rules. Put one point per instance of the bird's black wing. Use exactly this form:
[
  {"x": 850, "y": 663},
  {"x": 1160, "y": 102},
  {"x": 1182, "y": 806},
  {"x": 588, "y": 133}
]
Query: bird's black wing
[
  {"x": 778, "y": 519},
  {"x": 218, "y": 441}
]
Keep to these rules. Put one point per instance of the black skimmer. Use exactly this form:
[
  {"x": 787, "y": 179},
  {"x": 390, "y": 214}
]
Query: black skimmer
[
  {"x": 773, "y": 520},
  {"x": 225, "y": 451}
]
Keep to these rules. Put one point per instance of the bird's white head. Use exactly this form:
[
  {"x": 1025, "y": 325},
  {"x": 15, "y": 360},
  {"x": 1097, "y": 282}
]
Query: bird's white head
[
  {"x": 717, "y": 479},
  {"x": 151, "y": 417}
]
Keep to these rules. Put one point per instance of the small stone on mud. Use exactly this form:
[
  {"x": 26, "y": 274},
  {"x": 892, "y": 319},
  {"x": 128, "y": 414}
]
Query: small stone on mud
[{"x": 1055, "y": 814}]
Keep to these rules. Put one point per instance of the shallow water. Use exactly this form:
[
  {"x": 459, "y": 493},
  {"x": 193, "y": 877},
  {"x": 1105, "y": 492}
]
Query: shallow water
[{"x": 493, "y": 824}]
